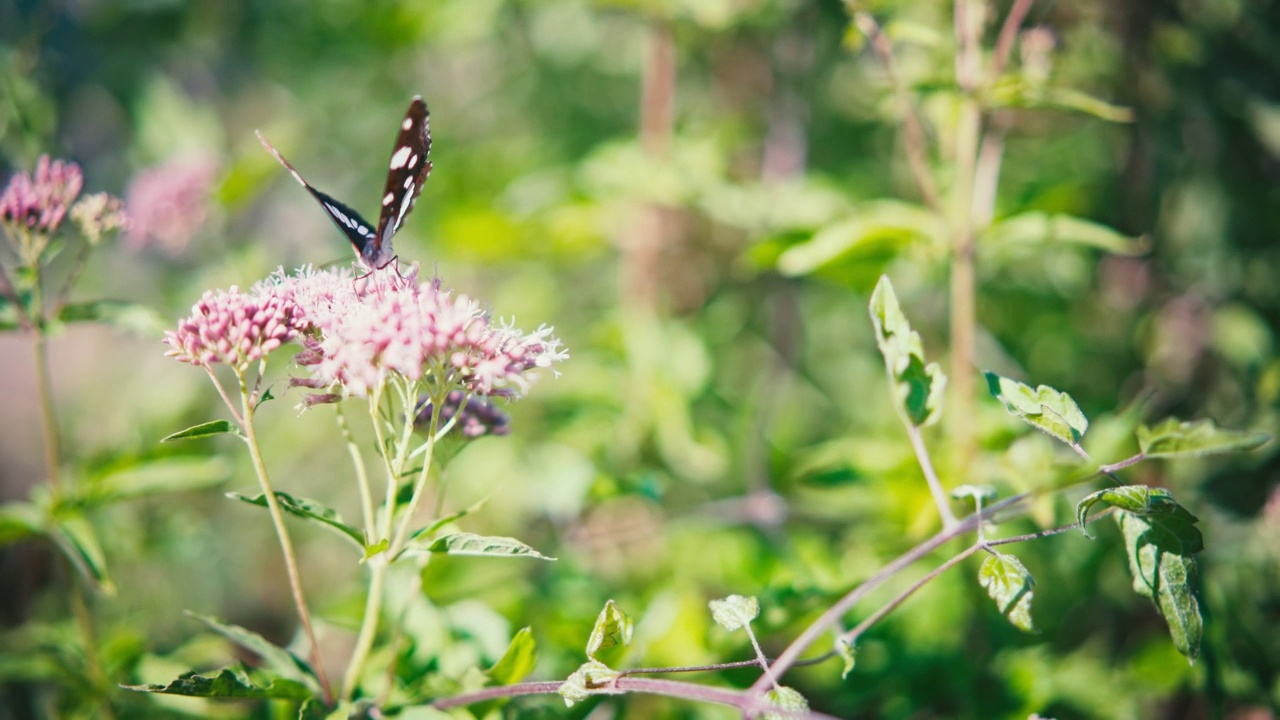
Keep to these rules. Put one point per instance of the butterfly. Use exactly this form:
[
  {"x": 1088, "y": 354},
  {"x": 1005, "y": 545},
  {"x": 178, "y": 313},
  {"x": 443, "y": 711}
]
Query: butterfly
[{"x": 406, "y": 173}]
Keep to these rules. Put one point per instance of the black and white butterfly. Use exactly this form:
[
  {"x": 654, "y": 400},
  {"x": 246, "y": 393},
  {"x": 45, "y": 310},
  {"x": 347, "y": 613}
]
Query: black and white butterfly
[{"x": 406, "y": 173}]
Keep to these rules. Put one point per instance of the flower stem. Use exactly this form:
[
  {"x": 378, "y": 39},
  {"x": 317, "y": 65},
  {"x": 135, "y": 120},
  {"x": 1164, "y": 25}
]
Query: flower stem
[
  {"x": 282, "y": 533},
  {"x": 362, "y": 476},
  {"x": 368, "y": 626}
]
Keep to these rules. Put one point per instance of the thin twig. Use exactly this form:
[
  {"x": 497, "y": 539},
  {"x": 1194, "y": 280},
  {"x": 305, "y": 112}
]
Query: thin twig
[
  {"x": 931, "y": 476},
  {"x": 852, "y": 636},
  {"x": 913, "y": 136},
  {"x": 1008, "y": 33}
]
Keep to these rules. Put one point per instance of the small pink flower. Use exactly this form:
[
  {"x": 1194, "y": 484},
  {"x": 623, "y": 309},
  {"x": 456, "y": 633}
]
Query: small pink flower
[
  {"x": 98, "y": 216},
  {"x": 382, "y": 324},
  {"x": 40, "y": 203},
  {"x": 235, "y": 328},
  {"x": 169, "y": 203}
]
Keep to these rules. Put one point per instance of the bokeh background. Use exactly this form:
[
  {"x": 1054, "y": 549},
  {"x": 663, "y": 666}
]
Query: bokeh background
[{"x": 640, "y": 175}]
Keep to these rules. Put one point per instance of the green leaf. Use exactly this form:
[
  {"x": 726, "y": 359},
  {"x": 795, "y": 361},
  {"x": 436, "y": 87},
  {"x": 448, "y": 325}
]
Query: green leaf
[
  {"x": 1024, "y": 92},
  {"x": 1172, "y": 438},
  {"x": 1011, "y": 586},
  {"x": 310, "y": 510},
  {"x": 117, "y": 313},
  {"x": 452, "y": 517},
  {"x": 518, "y": 661},
  {"x": 234, "y": 682},
  {"x": 19, "y": 521},
  {"x": 591, "y": 678},
  {"x": 848, "y": 653},
  {"x": 613, "y": 628},
  {"x": 917, "y": 387},
  {"x": 1038, "y": 229},
  {"x": 213, "y": 427},
  {"x": 871, "y": 228},
  {"x": 1138, "y": 499},
  {"x": 787, "y": 703},
  {"x": 977, "y": 494},
  {"x": 735, "y": 611},
  {"x": 76, "y": 538},
  {"x": 465, "y": 543},
  {"x": 158, "y": 476},
  {"x": 1043, "y": 408},
  {"x": 276, "y": 659},
  {"x": 1164, "y": 576}
]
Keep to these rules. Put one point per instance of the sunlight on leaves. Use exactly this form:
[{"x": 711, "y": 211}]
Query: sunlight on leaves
[
  {"x": 307, "y": 509},
  {"x": 1166, "y": 577},
  {"x": 613, "y": 628},
  {"x": 213, "y": 427},
  {"x": 918, "y": 388},
  {"x": 848, "y": 654},
  {"x": 229, "y": 682},
  {"x": 1011, "y": 587},
  {"x": 786, "y": 703},
  {"x": 735, "y": 611},
  {"x": 518, "y": 660},
  {"x": 1044, "y": 408},
  {"x": 1172, "y": 438},
  {"x": 591, "y": 678},
  {"x": 1138, "y": 499},
  {"x": 1038, "y": 229},
  {"x": 465, "y": 543},
  {"x": 275, "y": 659}
]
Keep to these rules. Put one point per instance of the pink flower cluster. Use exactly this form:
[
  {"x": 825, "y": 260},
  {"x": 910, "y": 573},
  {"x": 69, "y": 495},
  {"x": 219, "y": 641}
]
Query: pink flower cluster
[
  {"x": 235, "y": 328},
  {"x": 169, "y": 203},
  {"x": 364, "y": 330},
  {"x": 40, "y": 203}
]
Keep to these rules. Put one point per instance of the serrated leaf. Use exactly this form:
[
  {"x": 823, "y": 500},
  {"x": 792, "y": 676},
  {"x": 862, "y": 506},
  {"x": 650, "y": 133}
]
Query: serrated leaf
[
  {"x": 276, "y": 659},
  {"x": 1037, "y": 228},
  {"x": 158, "y": 476},
  {"x": 917, "y": 388},
  {"x": 848, "y": 654},
  {"x": 786, "y": 703},
  {"x": 213, "y": 427},
  {"x": 518, "y": 660},
  {"x": 1044, "y": 408},
  {"x": 308, "y": 509},
  {"x": 1166, "y": 577},
  {"x": 232, "y": 682},
  {"x": 19, "y": 521},
  {"x": 1138, "y": 499},
  {"x": 591, "y": 678},
  {"x": 735, "y": 611},
  {"x": 613, "y": 628},
  {"x": 465, "y": 543},
  {"x": 117, "y": 313},
  {"x": 1172, "y": 438},
  {"x": 79, "y": 542},
  {"x": 974, "y": 493},
  {"x": 1011, "y": 587}
]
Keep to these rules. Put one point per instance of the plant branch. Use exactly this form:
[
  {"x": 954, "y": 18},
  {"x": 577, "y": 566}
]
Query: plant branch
[
  {"x": 362, "y": 475},
  {"x": 1008, "y": 33},
  {"x": 931, "y": 476},
  {"x": 852, "y": 636},
  {"x": 913, "y": 136}
]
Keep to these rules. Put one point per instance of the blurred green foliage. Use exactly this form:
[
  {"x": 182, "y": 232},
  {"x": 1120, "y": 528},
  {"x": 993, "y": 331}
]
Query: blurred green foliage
[{"x": 724, "y": 424}]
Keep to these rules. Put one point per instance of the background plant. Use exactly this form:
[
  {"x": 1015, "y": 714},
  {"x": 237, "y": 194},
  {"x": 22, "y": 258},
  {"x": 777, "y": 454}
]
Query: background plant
[{"x": 718, "y": 429}]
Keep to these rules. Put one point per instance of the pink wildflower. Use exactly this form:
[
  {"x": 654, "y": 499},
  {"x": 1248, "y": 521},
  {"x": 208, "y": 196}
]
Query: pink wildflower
[
  {"x": 368, "y": 329},
  {"x": 98, "y": 216},
  {"x": 235, "y": 328},
  {"x": 40, "y": 203},
  {"x": 168, "y": 203}
]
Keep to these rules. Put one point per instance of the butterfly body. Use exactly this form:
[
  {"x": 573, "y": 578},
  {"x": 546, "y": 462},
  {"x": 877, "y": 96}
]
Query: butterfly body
[{"x": 406, "y": 173}]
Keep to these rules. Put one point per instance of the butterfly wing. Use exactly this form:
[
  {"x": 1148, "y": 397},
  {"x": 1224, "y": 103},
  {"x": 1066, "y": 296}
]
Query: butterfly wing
[
  {"x": 356, "y": 228},
  {"x": 406, "y": 174}
]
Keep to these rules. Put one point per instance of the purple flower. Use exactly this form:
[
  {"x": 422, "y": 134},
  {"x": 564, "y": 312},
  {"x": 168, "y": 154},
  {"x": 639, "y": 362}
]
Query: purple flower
[
  {"x": 235, "y": 328},
  {"x": 168, "y": 203},
  {"x": 477, "y": 417},
  {"x": 369, "y": 328},
  {"x": 39, "y": 204}
]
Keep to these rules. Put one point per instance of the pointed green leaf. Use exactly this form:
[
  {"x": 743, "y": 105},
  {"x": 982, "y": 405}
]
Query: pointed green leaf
[
  {"x": 1026, "y": 92},
  {"x": 1011, "y": 586},
  {"x": 613, "y": 628},
  {"x": 157, "y": 476},
  {"x": 465, "y": 543},
  {"x": 787, "y": 703},
  {"x": 1043, "y": 408},
  {"x": 1172, "y": 438},
  {"x": 848, "y": 654},
  {"x": 19, "y": 521},
  {"x": 873, "y": 229},
  {"x": 232, "y": 682},
  {"x": 591, "y": 678},
  {"x": 452, "y": 517},
  {"x": 275, "y": 659},
  {"x": 735, "y": 611},
  {"x": 309, "y": 509},
  {"x": 129, "y": 316},
  {"x": 518, "y": 661},
  {"x": 1166, "y": 577},
  {"x": 79, "y": 542},
  {"x": 213, "y": 427},
  {"x": 917, "y": 388},
  {"x": 1037, "y": 228},
  {"x": 1138, "y": 499}
]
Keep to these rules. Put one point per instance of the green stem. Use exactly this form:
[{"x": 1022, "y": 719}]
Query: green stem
[
  {"x": 402, "y": 532},
  {"x": 368, "y": 626},
  {"x": 282, "y": 533},
  {"x": 88, "y": 638},
  {"x": 362, "y": 476}
]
